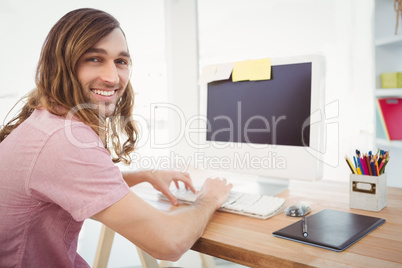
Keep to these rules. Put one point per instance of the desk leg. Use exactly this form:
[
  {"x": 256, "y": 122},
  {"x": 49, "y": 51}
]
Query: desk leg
[
  {"x": 147, "y": 260},
  {"x": 104, "y": 247},
  {"x": 150, "y": 262},
  {"x": 207, "y": 261}
]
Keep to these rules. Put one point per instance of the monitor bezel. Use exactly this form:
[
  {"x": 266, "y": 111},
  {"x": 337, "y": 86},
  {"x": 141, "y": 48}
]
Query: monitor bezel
[{"x": 275, "y": 161}]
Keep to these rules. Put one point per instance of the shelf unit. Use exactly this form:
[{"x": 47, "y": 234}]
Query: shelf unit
[
  {"x": 388, "y": 55},
  {"x": 389, "y": 41},
  {"x": 388, "y": 93}
]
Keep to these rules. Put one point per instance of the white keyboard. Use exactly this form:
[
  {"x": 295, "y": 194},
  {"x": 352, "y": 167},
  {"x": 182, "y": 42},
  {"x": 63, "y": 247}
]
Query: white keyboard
[{"x": 252, "y": 205}]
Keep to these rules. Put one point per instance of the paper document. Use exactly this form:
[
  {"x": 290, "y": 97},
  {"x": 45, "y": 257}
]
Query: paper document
[{"x": 216, "y": 72}]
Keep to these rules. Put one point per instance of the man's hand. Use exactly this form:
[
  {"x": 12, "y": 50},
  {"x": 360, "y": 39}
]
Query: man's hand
[
  {"x": 216, "y": 191},
  {"x": 161, "y": 181}
]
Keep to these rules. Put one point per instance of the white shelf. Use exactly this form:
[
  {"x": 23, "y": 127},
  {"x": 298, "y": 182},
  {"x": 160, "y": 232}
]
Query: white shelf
[
  {"x": 389, "y": 41},
  {"x": 388, "y": 92},
  {"x": 388, "y": 143}
]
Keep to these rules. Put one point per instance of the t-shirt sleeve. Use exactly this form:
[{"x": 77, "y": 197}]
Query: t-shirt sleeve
[{"x": 75, "y": 171}]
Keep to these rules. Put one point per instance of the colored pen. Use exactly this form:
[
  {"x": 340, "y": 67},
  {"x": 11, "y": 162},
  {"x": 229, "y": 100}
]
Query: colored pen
[
  {"x": 368, "y": 165},
  {"x": 380, "y": 159},
  {"x": 359, "y": 171},
  {"x": 361, "y": 166},
  {"x": 373, "y": 169},
  {"x": 354, "y": 159},
  {"x": 350, "y": 165},
  {"x": 383, "y": 167},
  {"x": 382, "y": 164}
]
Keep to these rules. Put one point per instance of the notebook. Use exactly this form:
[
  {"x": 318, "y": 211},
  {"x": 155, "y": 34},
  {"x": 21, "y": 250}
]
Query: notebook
[{"x": 331, "y": 229}]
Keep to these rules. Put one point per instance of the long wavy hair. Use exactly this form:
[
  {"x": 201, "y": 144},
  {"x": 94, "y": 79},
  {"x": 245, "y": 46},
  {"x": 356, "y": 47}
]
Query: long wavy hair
[{"x": 59, "y": 91}]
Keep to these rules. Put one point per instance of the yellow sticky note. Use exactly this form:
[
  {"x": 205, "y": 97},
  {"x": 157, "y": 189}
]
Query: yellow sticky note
[
  {"x": 260, "y": 69},
  {"x": 252, "y": 70},
  {"x": 241, "y": 71}
]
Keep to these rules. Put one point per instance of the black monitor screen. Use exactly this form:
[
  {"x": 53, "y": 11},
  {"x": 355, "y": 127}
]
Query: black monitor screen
[{"x": 274, "y": 111}]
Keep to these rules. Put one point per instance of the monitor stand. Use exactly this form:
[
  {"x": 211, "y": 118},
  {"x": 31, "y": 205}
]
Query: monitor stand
[{"x": 263, "y": 186}]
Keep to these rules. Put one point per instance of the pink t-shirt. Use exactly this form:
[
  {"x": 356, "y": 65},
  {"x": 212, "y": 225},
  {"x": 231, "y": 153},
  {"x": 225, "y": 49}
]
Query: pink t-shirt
[{"x": 54, "y": 174}]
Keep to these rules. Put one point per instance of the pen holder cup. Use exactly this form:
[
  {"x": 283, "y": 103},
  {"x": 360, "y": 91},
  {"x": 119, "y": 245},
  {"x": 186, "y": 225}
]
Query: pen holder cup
[{"x": 368, "y": 192}]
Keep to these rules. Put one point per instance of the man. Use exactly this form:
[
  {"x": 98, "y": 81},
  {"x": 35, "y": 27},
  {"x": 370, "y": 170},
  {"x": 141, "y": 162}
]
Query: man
[{"x": 56, "y": 156}]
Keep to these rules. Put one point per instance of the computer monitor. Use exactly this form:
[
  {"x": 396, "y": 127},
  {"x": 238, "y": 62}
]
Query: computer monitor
[{"x": 270, "y": 128}]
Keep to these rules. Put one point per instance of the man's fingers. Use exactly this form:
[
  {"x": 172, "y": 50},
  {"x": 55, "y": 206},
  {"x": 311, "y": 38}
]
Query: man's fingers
[
  {"x": 171, "y": 198},
  {"x": 186, "y": 179}
]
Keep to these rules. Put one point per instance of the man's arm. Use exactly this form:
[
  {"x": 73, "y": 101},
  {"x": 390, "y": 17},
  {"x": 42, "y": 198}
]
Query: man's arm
[
  {"x": 135, "y": 177},
  {"x": 160, "y": 180},
  {"x": 165, "y": 236}
]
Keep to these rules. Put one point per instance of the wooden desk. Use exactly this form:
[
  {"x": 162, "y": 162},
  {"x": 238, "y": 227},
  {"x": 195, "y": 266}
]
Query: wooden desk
[{"x": 250, "y": 242}]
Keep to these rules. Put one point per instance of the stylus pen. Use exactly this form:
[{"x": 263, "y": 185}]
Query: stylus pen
[{"x": 304, "y": 225}]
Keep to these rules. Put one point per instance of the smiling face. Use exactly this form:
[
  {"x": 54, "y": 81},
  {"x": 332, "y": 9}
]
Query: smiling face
[{"x": 103, "y": 71}]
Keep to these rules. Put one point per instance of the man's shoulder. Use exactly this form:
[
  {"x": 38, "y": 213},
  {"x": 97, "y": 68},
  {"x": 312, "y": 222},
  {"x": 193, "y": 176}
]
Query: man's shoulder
[
  {"x": 49, "y": 123},
  {"x": 43, "y": 127}
]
